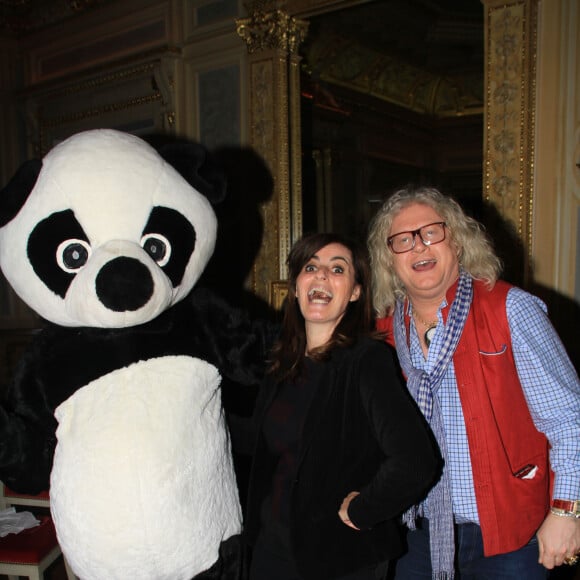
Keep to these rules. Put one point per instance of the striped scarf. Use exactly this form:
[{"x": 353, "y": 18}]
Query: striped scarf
[{"x": 423, "y": 386}]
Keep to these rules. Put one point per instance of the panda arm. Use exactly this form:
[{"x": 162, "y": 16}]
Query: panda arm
[
  {"x": 237, "y": 345},
  {"x": 27, "y": 431}
]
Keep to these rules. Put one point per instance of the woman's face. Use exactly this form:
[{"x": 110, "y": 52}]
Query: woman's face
[
  {"x": 325, "y": 286},
  {"x": 425, "y": 271}
]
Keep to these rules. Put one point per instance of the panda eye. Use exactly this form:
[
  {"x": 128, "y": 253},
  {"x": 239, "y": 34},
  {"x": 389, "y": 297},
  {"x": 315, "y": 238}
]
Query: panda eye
[
  {"x": 72, "y": 255},
  {"x": 158, "y": 248}
]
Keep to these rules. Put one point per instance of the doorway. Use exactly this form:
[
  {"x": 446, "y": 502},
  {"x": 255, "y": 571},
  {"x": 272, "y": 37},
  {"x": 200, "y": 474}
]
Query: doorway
[{"x": 392, "y": 94}]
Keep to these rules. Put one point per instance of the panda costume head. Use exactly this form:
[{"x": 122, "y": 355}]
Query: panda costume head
[
  {"x": 110, "y": 234},
  {"x": 117, "y": 402}
]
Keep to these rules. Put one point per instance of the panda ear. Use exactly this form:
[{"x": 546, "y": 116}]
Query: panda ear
[
  {"x": 194, "y": 163},
  {"x": 16, "y": 192}
]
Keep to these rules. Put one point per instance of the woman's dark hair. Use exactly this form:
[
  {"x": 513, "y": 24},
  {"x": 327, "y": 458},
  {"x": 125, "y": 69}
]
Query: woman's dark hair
[{"x": 289, "y": 351}]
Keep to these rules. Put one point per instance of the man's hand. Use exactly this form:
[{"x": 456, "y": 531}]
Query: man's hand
[{"x": 558, "y": 539}]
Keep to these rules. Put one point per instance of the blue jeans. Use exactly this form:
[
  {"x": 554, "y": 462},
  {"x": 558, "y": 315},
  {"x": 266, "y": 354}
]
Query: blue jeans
[{"x": 470, "y": 563}]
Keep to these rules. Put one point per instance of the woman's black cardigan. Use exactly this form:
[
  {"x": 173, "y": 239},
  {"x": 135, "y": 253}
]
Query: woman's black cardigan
[{"x": 363, "y": 432}]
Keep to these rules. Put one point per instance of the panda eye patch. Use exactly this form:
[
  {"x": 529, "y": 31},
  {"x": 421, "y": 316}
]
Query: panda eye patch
[
  {"x": 157, "y": 247},
  {"x": 72, "y": 255},
  {"x": 178, "y": 236}
]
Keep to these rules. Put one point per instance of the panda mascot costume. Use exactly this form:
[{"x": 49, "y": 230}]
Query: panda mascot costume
[{"x": 116, "y": 404}]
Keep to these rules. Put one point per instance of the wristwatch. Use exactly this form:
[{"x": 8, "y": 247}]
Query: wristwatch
[{"x": 566, "y": 508}]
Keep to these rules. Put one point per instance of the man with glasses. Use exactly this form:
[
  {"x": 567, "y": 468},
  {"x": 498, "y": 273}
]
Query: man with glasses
[{"x": 493, "y": 380}]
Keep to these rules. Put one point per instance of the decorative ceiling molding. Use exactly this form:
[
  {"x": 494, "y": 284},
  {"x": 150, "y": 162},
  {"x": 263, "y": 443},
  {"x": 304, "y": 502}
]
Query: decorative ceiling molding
[
  {"x": 423, "y": 55},
  {"x": 335, "y": 60}
]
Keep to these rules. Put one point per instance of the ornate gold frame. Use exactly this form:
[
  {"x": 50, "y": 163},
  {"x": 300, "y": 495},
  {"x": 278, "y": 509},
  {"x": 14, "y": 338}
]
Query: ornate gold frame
[
  {"x": 509, "y": 131},
  {"x": 273, "y": 37},
  {"x": 279, "y": 293}
]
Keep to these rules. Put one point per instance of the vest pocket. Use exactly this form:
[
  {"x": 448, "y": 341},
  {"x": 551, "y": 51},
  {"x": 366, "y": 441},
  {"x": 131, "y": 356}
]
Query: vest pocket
[{"x": 498, "y": 353}]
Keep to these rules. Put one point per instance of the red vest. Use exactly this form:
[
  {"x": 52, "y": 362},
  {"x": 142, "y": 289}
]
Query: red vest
[{"x": 503, "y": 442}]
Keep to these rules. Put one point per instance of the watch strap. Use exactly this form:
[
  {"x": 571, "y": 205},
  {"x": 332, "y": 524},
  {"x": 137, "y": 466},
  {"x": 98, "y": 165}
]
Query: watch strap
[{"x": 572, "y": 506}]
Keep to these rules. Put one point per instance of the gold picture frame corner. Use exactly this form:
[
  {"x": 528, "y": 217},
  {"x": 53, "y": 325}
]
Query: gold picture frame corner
[{"x": 278, "y": 293}]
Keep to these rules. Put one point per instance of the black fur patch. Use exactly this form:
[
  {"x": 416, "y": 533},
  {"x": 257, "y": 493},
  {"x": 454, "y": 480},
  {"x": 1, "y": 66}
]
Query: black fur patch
[
  {"x": 181, "y": 236},
  {"x": 229, "y": 564},
  {"x": 42, "y": 247},
  {"x": 197, "y": 167}
]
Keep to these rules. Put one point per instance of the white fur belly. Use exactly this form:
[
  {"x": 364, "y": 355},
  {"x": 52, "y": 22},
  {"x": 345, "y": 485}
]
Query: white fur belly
[{"x": 143, "y": 485}]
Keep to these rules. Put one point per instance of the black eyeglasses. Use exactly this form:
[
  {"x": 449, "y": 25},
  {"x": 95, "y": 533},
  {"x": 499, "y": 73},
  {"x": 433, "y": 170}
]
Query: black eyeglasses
[{"x": 405, "y": 241}]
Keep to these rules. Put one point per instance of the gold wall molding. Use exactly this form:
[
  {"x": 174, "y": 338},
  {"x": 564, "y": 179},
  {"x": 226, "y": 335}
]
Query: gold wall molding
[
  {"x": 98, "y": 38},
  {"x": 295, "y": 147},
  {"x": 509, "y": 132},
  {"x": 272, "y": 30},
  {"x": 134, "y": 93},
  {"x": 279, "y": 293},
  {"x": 272, "y": 39},
  {"x": 268, "y": 117}
]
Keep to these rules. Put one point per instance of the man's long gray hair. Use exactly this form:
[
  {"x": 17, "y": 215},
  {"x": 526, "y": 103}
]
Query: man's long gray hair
[{"x": 476, "y": 255}]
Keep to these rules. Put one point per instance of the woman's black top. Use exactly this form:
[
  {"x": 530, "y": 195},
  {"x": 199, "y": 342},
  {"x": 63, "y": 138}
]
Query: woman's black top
[
  {"x": 361, "y": 432},
  {"x": 283, "y": 423}
]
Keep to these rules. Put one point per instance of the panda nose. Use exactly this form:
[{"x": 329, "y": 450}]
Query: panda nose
[{"x": 124, "y": 284}]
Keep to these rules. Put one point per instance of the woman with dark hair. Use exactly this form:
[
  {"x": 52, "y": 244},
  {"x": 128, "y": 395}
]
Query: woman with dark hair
[{"x": 341, "y": 450}]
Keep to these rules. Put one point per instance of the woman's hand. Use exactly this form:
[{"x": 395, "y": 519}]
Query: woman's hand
[{"x": 343, "y": 511}]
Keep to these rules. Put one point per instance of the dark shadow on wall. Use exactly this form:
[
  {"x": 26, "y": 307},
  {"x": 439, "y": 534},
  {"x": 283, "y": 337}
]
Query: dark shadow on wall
[
  {"x": 240, "y": 227},
  {"x": 240, "y": 235},
  {"x": 564, "y": 313}
]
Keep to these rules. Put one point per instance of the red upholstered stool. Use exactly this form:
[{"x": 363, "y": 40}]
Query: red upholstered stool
[{"x": 32, "y": 551}]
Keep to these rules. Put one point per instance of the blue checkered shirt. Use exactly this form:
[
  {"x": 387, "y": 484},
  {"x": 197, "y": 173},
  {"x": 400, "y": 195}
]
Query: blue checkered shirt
[{"x": 551, "y": 388}]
